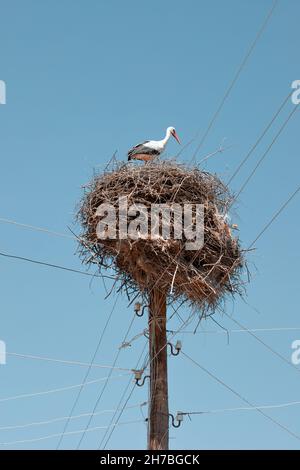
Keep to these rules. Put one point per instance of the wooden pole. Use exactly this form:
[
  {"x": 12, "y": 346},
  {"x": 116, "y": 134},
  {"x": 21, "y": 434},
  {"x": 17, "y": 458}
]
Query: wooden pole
[{"x": 158, "y": 432}]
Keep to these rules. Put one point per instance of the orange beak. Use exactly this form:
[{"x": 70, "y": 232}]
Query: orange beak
[{"x": 176, "y": 137}]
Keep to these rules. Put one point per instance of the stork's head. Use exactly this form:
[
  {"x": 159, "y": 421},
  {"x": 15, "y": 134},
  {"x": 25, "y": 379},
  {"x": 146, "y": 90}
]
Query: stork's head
[{"x": 172, "y": 131}]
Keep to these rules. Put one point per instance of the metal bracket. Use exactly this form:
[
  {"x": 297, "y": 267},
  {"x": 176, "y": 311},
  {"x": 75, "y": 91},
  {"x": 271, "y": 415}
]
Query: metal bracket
[
  {"x": 177, "y": 348},
  {"x": 178, "y": 418},
  {"x": 138, "y": 307},
  {"x": 138, "y": 377},
  {"x": 140, "y": 384}
]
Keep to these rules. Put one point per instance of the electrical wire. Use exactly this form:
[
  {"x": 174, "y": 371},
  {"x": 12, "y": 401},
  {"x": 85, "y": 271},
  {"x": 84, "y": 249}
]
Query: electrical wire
[
  {"x": 276, "y": 353},
  {"x": 89, "y": 369},
  {"x": 237, "y": 394},
  {"x": 56, "y": 266},
  {"x": 280, "y": 210},
  {"x": 56, "y": 390},
  {"x": 261, "y": 330},
  {"x": 241, "y": 408},
  {"x": 64, "y": 361},
  {"x": 235, "y": 78},
  {"x": 105, "y": 384},
  {"x": 37, "y": 229},
  {"x": 110, "y": 429},
  {"x": 254, "y": 146},
  {"x": 265, "y": 153},
  {"x": 69, "y": 433},
  {"x": 63, "y": 418}
]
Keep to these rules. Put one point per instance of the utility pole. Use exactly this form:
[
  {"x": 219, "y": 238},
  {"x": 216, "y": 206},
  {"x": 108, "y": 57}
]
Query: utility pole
[{"x": 158, "y": 434}]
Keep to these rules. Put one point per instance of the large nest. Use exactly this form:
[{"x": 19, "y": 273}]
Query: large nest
[{"x": 203, "y": 276}]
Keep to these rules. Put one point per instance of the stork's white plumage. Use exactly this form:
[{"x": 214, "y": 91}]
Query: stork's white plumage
[{"x": 150, "y": 149}]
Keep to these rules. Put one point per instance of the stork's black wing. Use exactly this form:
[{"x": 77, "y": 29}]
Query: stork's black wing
[{"x": 142, "y": 148}]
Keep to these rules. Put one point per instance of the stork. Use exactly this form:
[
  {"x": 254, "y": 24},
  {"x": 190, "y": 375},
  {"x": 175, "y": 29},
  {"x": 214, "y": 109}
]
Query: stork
[{"x": 151, "y": 149}]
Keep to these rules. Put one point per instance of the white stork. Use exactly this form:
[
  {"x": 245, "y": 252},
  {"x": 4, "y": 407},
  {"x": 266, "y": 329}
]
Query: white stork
[{"x": 150, "y": 149}]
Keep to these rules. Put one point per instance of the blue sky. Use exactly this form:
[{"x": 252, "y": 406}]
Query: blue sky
[{"x": 85, "y": 79}]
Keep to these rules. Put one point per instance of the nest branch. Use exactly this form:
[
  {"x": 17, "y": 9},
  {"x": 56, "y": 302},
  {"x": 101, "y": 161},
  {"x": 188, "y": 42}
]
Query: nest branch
[{"x": 203, "y": 277}]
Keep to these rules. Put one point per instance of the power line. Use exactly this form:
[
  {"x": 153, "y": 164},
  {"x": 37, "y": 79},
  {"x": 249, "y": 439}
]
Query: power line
[
  {"x": 284, "y": 359},
  {"x": 37, "y": 229},
  {"x": 254, "y": 146},
  {"x": 265, "y": 153},
  {"x": 56, "y": 390},
  {"x": 241, "y": 408},
  {"x": 63, "y": 418},
  {"x": 237, "y": 394},
  {"x": 112, "y": 427},
  {"x": 69, "y": 433},
  {"x": 89, "y": 369},
  {"x": 235, "y": 78},
  {"x": 275, "y": 216},
  {"x": 193, "y": 332},
  {"x": 105, "y": 384},
  {"x": 56, "y": 266},
  {"x": 119, "y": 405},
  {"x": 297, "y": 328},
  {"x": 65, "y": 361}
]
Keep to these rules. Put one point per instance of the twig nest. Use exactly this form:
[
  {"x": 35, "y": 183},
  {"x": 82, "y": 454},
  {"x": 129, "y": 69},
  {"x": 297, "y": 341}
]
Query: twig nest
[{"x": 202, "y": 276}]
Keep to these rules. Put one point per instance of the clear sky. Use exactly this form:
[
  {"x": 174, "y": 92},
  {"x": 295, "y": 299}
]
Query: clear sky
[{"x": 86, "y": 78}]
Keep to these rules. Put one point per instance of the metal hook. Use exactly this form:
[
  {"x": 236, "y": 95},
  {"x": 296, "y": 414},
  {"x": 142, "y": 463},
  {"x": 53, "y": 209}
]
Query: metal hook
[
  {"x": 138, "y": 377},
  {"x": 177, "y": 348},
  {"x": 179, "y": 419},
  {"x": 137, "y": 308},
  {"x": 140, "y": 384}
]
